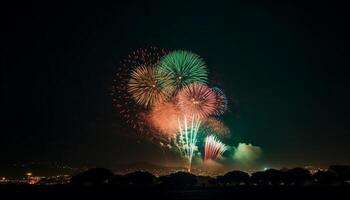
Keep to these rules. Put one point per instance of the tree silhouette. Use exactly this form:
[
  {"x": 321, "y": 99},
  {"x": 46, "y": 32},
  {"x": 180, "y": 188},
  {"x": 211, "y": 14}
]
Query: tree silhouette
[
  {"x": 298, "y": 176},
  {"x": 234, "y": 177},
  {"x": 95, "y": 176},
  {"x": 179, "y": 179},
  {"x": 119, "y": 180},
  {"x": 325, "y": 177},
  {"x": 274, "y": 176},
  {"x": 269, "y": 177},
  {"x": 259, "y": 178},
  {"x": 342, "y": 172},
  {"x": 140, "y": 178}
]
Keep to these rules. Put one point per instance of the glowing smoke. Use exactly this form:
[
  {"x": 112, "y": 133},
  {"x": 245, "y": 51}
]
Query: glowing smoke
[
  {"x": 247, "y": 153},
  {"x": 163, "y": 117}
]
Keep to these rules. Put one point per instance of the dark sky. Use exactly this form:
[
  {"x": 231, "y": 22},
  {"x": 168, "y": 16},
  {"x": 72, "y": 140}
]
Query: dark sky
[{"x": 283, "y": 62}]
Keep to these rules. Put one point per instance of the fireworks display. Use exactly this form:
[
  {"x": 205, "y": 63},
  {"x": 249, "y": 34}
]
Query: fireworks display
[
  {"x": 164, "y": 95},
  {"x": 213, "y": 148},
  {"x": 197, "y": 99}
]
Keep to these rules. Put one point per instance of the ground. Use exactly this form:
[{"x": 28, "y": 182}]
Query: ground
[{"x": 104, "y": 192}]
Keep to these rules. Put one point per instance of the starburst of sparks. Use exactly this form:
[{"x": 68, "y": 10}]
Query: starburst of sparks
[
  {"x": 213, "y": 148},
  {"x": 197, "y": 99},
  {"x": 183, "y": 68},
  {"x": 145, "y": 87}
]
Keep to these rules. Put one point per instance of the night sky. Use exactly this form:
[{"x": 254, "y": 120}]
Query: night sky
[{"x": 282, "y": 65}]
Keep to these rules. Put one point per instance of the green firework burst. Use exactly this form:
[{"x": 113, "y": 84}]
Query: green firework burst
[{"x": 183, "y": 68}]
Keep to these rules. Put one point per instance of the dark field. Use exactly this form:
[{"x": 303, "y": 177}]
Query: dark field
[{"x": 112, "y": 192}]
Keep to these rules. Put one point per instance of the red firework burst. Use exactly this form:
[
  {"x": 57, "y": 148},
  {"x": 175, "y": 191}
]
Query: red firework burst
[{"x": 197, "y": 99}]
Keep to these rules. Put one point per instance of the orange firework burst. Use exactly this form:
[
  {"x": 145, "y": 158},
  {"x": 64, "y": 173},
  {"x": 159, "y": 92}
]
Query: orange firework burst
[
  {"x": 197, "y": 99},
  {"x": 146, "y": 88}
]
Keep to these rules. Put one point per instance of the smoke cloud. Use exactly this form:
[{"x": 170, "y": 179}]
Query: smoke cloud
[{"x": 247, "y": 153}]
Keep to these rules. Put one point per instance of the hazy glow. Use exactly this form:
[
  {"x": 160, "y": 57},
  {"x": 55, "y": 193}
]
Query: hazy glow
[
  {"x": 163, "y": 118},
  {"x": 215, "y": 126},
  {"x": 247, "y": 153}
]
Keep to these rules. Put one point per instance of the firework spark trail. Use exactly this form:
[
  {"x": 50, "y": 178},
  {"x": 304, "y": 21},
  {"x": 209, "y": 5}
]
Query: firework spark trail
[
  {"x": 188, "y": 137},
  {"x": 213, "y": 148},
  {"x": 197, "y": 99}
]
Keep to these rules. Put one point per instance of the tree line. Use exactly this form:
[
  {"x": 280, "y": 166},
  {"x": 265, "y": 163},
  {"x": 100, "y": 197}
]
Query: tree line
[{"x": 335, "y": 175}]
